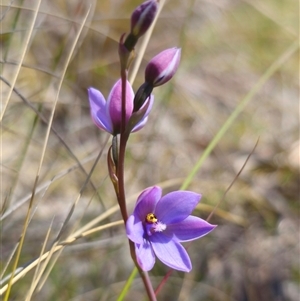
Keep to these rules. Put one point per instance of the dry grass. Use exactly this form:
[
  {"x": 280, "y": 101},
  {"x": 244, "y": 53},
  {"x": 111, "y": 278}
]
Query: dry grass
[{"x": 52, "y": 51}]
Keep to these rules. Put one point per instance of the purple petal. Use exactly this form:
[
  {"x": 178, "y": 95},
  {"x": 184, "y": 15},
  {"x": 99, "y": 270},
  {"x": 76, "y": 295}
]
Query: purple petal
[
  {"x": 171, "y": 253},
  {"x": 146, "y": 202},
  {"x": 144, "y": 120},
  {"x": 191, "y": 228},
  {"x": 114, "y": 104},
  {"x": 135, "y": 230},
  {"x": 98, "y": 110},
  {"x": 176, "y": 206},
  {"x": 140, "y": 125},
  {"x": 145, "y": 255}
]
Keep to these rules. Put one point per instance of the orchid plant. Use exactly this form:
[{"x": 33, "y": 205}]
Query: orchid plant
[{"x": 158, "y": 223}]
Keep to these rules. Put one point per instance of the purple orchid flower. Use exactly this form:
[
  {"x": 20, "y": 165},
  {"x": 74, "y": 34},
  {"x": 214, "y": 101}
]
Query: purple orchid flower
[
  {"x": 107, "y": 115},
  {"x": 158, "y": 225}
]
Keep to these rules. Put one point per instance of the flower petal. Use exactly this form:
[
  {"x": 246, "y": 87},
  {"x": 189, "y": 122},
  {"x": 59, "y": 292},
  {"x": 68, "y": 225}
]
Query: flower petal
[
  {"x": 176, "y": 206},
  {"x": 135, "y": 230},
  {"x": 189, "y": 229},
  {"x": 144, "y": 120},
  {"x": 140, "y": 125},
  {"x": 98, "y": 110},
  {"x": 146, "y": 202},
  {"x": 145, "y": 255},
  {"x": 114, "y": 104},
  {"x": 171, "y": 253}
]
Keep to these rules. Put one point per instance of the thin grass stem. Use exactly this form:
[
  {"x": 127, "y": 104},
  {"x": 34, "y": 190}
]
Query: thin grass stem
[
  {"x": 127, "y": 285},
  {"x": 44, "y": 145},
  {"x": 27, "y": 41},
  {"x": 38, "y": 272}
]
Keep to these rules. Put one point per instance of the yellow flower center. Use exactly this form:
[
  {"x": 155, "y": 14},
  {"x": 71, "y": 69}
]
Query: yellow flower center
[{"x": 151, "y": 218}]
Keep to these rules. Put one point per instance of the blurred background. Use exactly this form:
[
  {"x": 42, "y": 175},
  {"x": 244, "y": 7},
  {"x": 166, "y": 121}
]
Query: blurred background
[{"x": 231, "y": 50}]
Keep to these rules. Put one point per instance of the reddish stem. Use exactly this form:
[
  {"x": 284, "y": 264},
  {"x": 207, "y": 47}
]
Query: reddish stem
[{"x": 121, "y": 186}]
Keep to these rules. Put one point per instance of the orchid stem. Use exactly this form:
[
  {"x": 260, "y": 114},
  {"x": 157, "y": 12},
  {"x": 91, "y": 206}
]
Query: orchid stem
[
  {"x": 120, "y": 174},
  {"x": 123, "y": 142},
  {"x": 144, "y": 275},
  {"x": 124, "y": 135}
]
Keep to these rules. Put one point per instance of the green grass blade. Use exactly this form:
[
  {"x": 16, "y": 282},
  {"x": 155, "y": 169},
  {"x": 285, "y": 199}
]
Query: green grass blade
[
  {"x": 264, "y": 78},
  {"x": 127, "y": 285}
]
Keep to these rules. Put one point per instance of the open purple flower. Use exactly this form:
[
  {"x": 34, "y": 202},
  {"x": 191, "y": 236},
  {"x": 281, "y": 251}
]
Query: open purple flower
[
  {"x": 107, "y": 115},
  {"x": 158, "y": 225}
]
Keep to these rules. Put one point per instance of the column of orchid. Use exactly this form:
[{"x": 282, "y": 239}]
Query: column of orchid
[{"x": 158, "y": 223}]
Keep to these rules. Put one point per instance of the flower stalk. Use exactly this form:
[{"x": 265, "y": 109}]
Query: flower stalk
[
  {"x": 159, "y": 223},
  {"x": 124, "y": 135}
]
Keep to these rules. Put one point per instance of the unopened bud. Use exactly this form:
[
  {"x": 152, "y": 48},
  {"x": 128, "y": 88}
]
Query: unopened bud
[
  {"x": 141, "y": 20},
  {"x": 142, "y": 17},
  {"x": 162, "y": 67},
  {"x": 141, "y": 96}
]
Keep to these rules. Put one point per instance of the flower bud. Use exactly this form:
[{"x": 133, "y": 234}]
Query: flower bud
[
  {"x": 162, "y": 67},
  {"x": 141, "y": 96},
  {"x": 107, "y": 115},
  {"x": 142, "y": 17}
]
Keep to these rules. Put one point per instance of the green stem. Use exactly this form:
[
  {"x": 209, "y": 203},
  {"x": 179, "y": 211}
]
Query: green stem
[{"x": 127, "y": 285}]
